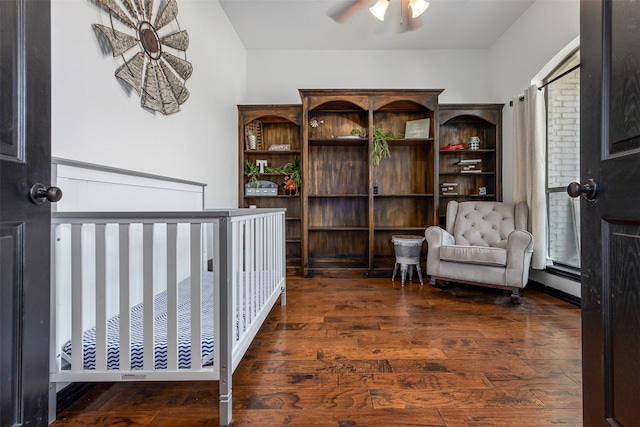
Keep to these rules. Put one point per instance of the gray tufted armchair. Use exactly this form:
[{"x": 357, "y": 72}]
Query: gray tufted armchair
[{"x": 485, "y": 243}]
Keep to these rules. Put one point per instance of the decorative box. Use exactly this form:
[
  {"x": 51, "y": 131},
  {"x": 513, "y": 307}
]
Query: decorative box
[{"x": 262, "y": 188}]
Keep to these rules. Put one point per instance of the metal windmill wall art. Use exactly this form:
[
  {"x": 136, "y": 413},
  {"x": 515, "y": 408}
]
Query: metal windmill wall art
[{"x": 157, "y": 75}]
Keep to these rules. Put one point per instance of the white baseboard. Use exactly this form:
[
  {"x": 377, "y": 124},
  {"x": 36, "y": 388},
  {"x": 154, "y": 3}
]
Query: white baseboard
[{"x": 568, "y": 286}]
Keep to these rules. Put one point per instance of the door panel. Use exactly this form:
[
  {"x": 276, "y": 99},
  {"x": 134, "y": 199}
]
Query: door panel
[
  {"x": 10, "y": 247},
  {"x": 625, "y": 323},
  {"x": 610, "y": 139},
  {"x": 25, "y": 159},
  {"x": 624, "y": 122}
]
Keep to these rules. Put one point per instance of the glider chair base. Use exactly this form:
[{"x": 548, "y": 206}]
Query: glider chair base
[{"x": 444, "y": 284}]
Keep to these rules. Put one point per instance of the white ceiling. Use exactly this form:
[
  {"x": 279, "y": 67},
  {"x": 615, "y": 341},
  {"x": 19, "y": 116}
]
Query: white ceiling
[{"x": 306, "y": 25}]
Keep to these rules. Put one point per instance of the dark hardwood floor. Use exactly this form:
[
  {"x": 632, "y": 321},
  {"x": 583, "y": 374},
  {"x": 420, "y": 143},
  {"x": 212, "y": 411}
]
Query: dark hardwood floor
[{"x": 368, "y": 352}]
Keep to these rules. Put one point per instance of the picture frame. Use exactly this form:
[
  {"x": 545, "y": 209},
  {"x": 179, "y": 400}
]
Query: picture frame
[{"x": 417, "y": 128}]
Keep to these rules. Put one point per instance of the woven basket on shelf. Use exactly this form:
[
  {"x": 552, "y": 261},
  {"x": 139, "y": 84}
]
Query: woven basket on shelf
[{"x": 253, "y": 128}]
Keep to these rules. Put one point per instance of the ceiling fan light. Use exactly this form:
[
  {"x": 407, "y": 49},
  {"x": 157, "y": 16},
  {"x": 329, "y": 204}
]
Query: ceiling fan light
[
  {"x": 417, "y": 7},
  {"x": 379, "y": 9}
]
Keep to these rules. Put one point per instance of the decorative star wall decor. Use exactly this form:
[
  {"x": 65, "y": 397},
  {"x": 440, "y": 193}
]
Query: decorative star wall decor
[{"x": 156, "y": 75}]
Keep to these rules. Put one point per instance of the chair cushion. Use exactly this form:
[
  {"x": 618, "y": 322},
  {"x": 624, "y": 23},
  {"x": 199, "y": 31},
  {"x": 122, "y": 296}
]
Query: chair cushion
[{"x": 474, "y": 255}]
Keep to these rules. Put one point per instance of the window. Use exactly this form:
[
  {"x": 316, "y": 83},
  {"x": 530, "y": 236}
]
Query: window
[{"x": 563, "y": 164}]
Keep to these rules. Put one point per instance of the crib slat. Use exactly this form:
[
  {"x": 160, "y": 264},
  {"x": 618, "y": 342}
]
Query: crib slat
[
  {"x": 172, "y": 297},
  {"x": 245, "y": 276},
  {"x": 196, "y": 296},
  {"x": 244, "y": 264},
  {"x": 258, "y": 267},
  {"x": 237, "y": 262},
  {"x": 76, "y": 298},
  {"x": 125, "y": 296},
  {"x": 216, "y": 268},
  {"x": 101, "y": 297},
  {"x": 147, "y": 297}
]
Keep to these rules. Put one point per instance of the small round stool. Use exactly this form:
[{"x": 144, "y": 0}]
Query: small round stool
[{"x": 408, "y": 250}]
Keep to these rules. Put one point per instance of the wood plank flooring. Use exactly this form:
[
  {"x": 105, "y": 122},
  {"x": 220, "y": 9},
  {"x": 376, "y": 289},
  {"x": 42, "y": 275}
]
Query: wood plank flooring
[{"x": 369, "y": 352}]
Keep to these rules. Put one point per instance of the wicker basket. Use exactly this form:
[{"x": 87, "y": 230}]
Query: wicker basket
[{"x": 255, "y": 128}]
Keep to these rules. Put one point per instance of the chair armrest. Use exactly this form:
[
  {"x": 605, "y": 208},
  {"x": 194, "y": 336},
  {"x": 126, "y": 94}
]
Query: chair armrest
[
  {"x": 436, "y": 237},
  {"x": 519, "y": 251}
]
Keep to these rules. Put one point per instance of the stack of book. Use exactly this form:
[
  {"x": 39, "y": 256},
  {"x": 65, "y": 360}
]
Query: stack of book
[
  {"x": 470, "y": 165},
  {"x": 449, "y": 189}
]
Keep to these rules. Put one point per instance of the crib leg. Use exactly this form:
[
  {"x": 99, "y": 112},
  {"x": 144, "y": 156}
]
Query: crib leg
[
  {"x": 283, "y": 295},
  {"x": 225, "y": 410},
  {"x": 52, "y": 403}
]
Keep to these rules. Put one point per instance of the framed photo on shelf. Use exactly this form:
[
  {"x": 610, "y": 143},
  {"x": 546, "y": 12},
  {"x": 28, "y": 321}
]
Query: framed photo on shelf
[{"x": 417, "y": 129}]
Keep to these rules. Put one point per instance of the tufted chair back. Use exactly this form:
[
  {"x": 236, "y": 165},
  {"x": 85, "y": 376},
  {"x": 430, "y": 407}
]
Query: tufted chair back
[{"x": 485, "y": 224}]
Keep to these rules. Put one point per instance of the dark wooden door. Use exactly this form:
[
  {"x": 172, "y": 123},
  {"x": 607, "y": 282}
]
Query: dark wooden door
[
  {"x": 610, "y": 132},
  {"x": 25, "y": 159}
]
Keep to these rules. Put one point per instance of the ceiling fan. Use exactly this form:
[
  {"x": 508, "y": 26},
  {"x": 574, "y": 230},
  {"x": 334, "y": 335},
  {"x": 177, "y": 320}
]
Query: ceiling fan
[{"x": 412, "y": 9}]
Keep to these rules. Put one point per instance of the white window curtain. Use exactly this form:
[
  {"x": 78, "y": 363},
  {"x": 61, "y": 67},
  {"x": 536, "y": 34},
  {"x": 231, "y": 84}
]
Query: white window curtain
[{"x": 529, "y": 138}]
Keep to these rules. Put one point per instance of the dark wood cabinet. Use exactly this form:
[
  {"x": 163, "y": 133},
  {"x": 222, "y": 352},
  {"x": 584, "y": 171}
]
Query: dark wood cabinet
[
  {"x": 353, "y": 207},
  {"x": 342, "y": 219},
  {"x": 469, "y": 174},
  {"x": 276, "y": 126}
]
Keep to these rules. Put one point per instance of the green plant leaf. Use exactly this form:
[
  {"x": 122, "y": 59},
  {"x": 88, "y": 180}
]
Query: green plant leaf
[{"x": 380, "y": 145}]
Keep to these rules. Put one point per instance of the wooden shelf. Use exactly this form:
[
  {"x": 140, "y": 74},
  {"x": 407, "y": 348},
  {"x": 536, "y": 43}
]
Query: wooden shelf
[
  {"x": 480, "y": 151},
  {"x": 277, "y": 152},
  {"x": 459, "y": 122},
  {"x": 468, "y": 173},
  {"x": 402, "y": 195},
  {"x": 338, "y": 229},
  {"x": 278, "y": 196},
  {"x": 339, "y": 141},
  {"x": 342, "y": 211},
  {"x": 422, "y": 229},
  {"x": 409, "y": 141},
  {"x": 338, "y": 263},
  {"x": 335, "y": 196},
  {"x": 469, "y": 196},
  {"x": 281, "y": 124}
]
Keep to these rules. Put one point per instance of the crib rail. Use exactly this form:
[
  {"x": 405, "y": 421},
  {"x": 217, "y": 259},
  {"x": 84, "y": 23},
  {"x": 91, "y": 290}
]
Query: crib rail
[{"x": 106, "y": 264}]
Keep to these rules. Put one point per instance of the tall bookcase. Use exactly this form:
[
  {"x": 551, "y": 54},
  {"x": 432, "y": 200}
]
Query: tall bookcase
[
  {"x": 464, "y": 173},
  {"x": 275, "y": 126},
  {"x": 352, "y": 208},
  {"x": 342, "y": 219}
]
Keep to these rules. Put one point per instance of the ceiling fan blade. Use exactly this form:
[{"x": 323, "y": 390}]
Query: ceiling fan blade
[
  {"x": 345, "y": 11},
  {"x": 414, "y": 23},
  {"x": 409, "y": 23}
]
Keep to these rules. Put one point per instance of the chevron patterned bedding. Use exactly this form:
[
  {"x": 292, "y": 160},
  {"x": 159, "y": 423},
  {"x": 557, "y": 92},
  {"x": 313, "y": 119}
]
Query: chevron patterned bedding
[{"x": 160, "y": 351}]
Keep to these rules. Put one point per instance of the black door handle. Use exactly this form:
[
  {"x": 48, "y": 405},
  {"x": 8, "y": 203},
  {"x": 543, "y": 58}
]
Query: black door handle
[
  {"x": 589, "y": 189},
  {"x": 40, "y": 194}
]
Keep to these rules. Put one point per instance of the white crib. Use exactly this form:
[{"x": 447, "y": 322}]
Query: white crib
[{"x": 133, "y": 291}]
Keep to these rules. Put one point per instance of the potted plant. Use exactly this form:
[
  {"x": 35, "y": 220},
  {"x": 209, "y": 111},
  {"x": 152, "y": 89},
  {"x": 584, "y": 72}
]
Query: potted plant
[
  {"x": 252, "y": 170},
  {"x": 293, "y": 170},
  {"x": 296, "y": 172},
  {"x": 356, "y": 132},
  {"x": 380, "y": 145}
]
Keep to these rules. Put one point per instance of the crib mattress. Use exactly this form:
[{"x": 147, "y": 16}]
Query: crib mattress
[{"x": 160, "y": 341}]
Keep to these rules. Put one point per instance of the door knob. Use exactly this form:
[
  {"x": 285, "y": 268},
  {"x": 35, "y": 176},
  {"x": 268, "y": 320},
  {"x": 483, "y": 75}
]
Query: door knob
[
  {"x": 39, "y": 194},
  {"x": 589, "y": 189}
]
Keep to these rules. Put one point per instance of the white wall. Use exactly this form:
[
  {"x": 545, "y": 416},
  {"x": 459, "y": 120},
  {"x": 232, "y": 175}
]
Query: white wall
[
  {"x": 95, "y": 120},
  {"x": 275, "y": 76},
  {"x": 523, "y": 50}
]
